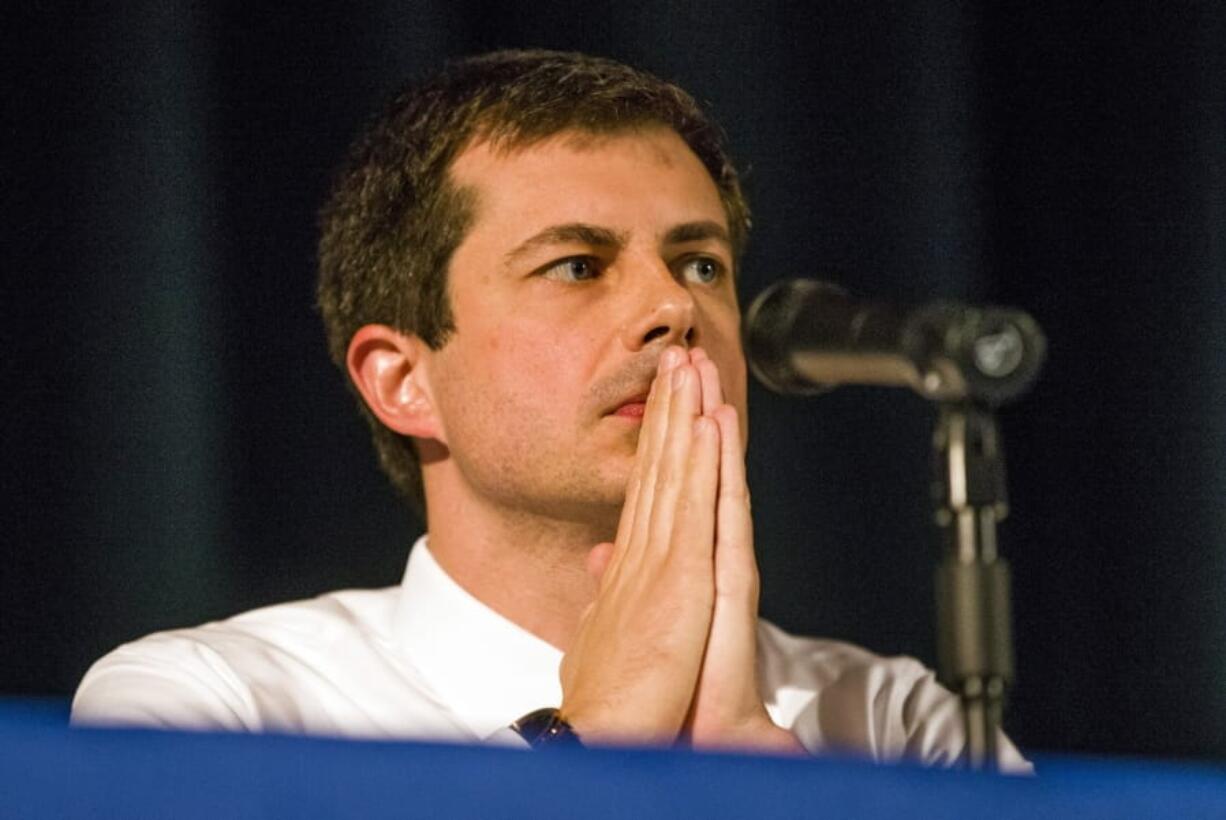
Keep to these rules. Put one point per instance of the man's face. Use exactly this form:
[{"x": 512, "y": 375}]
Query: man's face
[{"x": 587, "y": 256}]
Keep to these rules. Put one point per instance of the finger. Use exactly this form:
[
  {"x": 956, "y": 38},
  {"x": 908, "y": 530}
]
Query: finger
[
  {"x": 640, "y": 492},
  {"x": 653, "y": 435},
  {"x": 598, "y": 559},
  {"x": 647, "y": 432},
  {"x": 712, "y": 392},
  {"x": 693, "y": 532},
  {"x": 655, "y": 416},
  {"x": 670, "y": 478},
  {"x": 732, "y": 484},
  {"x": 736, "y": 570}
]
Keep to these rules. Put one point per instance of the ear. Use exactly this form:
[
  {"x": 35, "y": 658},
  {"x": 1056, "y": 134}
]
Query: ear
[{"x": 389, "y": 369}]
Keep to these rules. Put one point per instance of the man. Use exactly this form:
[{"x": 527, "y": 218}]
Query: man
[{"x": 527, "y": 273}]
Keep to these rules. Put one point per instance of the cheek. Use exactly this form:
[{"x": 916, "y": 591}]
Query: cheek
[
  {"x": 726, "y": 352},
  {"x": 722, "y": 342},
  {"x": 732, "y": 376},
  {"x": 520, "y": 374},
  {"x": 737, "y": 381}
]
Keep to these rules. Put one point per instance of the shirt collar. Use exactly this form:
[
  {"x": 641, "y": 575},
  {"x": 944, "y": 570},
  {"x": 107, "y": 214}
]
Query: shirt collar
[{"x": 486, "y": 668}]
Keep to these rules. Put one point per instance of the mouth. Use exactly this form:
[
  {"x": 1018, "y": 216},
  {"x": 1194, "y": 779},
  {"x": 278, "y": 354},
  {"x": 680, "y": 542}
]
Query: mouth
[{"x": 631, "y": 409}]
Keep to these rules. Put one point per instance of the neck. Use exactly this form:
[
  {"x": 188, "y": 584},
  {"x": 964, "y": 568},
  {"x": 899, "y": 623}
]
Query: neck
[{"x": 529, "y": 568}]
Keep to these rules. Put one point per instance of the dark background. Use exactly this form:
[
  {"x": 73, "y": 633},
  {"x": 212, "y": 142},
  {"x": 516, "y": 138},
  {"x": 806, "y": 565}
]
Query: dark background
[{"x": 176, "y": 446}]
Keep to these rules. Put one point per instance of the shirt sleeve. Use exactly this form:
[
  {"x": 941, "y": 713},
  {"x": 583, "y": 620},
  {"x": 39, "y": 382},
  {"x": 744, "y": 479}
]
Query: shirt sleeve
[
  {"x": 506, "y": 736},
  {"x": 838, "y": 698},
  {"x": 164, "y": 681},
  {"x": 933, "y": 727}
]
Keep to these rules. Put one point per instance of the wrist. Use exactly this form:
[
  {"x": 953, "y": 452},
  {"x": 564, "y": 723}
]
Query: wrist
[
  {"x": 779, "y": 740},
  {"x": 546, "y": 727},
  {"x": 629, "y": 725},
  {"x": 756, "y": 734}
]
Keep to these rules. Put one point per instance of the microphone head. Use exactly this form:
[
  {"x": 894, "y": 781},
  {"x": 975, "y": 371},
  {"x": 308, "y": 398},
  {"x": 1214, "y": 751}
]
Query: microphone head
[
  {"x": 804, "y": 337},
  {"x": 769, "y": 322}
]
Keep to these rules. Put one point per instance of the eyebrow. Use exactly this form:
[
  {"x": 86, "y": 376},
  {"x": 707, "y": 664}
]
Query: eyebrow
[
  {"x": 577, "y": 232},
  {"x": 585, "y": 234},
  {"x": 697, "y": 232}
]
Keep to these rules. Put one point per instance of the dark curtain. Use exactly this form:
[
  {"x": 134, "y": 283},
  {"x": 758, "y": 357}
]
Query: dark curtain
[{"x": 176, "y": 446}]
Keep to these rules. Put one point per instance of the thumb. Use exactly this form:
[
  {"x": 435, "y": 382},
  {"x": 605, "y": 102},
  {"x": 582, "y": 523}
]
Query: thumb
[{"x": 598, "y": 559}]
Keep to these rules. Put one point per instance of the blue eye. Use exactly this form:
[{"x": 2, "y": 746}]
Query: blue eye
[
  {"x": 572, "y": 269},
  {"x": 703, "y": 269}
]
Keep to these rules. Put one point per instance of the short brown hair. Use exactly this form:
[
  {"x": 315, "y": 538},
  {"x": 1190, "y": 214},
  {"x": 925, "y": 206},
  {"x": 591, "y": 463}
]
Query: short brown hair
[{"x": 394, "y": 218}]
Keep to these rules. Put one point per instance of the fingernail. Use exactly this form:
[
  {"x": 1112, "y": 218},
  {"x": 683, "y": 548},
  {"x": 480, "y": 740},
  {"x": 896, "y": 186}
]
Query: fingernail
[
  {"x": 679, "y": 377},
  {"x": 670, "y": 359}
]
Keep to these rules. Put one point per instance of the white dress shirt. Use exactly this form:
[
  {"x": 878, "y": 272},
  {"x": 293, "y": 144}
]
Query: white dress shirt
[{"x": 427, "y": 660}]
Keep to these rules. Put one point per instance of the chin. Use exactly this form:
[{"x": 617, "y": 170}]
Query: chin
[{"x": 606, "y": 497}]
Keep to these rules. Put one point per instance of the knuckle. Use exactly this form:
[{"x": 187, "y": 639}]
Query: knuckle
[
  {"x": 737, "y": 493},
  {"x": 668, "y": 483},
  {"x": 685, "y": 507}
]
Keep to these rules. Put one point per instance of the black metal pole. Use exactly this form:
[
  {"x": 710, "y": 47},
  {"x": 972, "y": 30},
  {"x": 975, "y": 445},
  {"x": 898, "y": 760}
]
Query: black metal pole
[{"x": 972, "y": 581}]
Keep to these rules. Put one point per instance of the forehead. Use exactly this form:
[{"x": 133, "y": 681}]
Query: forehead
[{"x": 640, "y": 179}]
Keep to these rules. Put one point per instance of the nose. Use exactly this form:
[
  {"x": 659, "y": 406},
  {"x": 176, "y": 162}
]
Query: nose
[{"x": 663, "y": 310}]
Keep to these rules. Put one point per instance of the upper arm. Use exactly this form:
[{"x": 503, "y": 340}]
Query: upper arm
[{"x": 163, "y": 682}]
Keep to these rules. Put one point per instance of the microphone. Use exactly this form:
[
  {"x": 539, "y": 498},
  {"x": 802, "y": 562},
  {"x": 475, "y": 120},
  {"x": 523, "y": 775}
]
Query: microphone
[{"x": 805, "y": 337}]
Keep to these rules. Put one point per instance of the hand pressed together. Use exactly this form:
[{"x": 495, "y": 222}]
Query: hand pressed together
[{"x": 666, "y": 652}]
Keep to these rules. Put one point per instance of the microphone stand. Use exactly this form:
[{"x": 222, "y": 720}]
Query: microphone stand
[
  {"x": 974, "y": 644},
  {"x": 805, "y": 336}
]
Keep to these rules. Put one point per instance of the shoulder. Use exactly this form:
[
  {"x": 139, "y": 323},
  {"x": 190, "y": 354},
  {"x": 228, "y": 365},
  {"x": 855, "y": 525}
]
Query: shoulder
[{"x": 215, "y": 676}]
